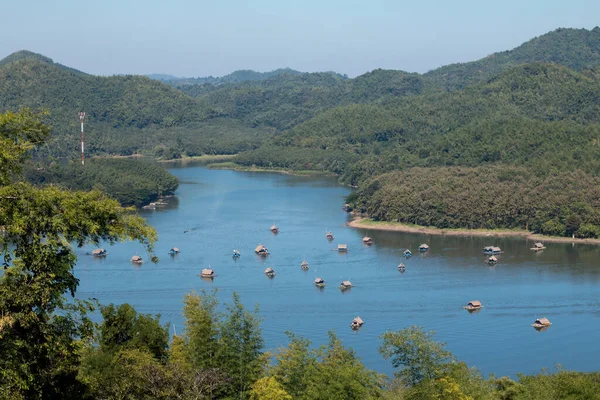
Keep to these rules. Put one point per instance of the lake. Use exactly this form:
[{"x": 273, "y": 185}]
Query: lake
[{"x": 222, "y": 210}]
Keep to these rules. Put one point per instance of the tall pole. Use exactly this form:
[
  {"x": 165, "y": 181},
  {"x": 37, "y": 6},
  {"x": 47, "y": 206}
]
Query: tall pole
[{"x": 81, "y": 118}]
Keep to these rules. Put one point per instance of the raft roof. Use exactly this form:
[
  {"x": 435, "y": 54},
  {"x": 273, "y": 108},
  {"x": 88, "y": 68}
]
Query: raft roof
[
  {"x": 207, "y": 271},
  {"x": 542, "y": 321},
  {"x": 474, "y": 303},
  {"x": 319, "y": 280},
  {"x": 346, "y": 283},
  {"x": 136, "y": 258},
  {"x": 358, "y": 320}
]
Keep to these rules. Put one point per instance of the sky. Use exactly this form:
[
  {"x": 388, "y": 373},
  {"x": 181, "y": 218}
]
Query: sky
[{"x": 200, "y": 38}]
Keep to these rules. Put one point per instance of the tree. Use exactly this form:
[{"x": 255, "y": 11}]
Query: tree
[
  {"x": 414, "y": 352},
  {"x": 123, "y": 327},
  {"x": 267, "y": 388},
  {"x": 41, "y": 331}
]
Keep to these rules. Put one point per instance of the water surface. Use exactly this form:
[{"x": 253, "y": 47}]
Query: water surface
[{"x": 223, "y": 210}]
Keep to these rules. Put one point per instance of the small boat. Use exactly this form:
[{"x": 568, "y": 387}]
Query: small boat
[
  {"x": 367, "y": 240},
  {"x": 401, "y": 267},
  {"x": 319, "y": 282},
  {"x": 492, "y": 250},
  {"x": 136, "y": 259},
  {"x": 473, "y": 305},
  {"x": 236, "y": 253},
  {"x": 274, "y": 229},
  {"x": 492, "y": 260},
  {"x": 407, "y": 253},
  {"x": 100, "y": 252},
  {"x": 538, "y": 246},
  {"x": 342, "y": 248},
  {"x": 261, "y": 250},
  {"x": 270, "y": 272},
  {"x": 304, "y": 265},
  {"x": 329, "y": 236},
  {"x": 424, "y": 247},
  {"x": 541, "y": 323},
  {"x": 207, "y": 273},
  {"x": 345, "y": 285},
  {"x": 174, "y": 251},
  {"x": 356, "y": 323}
]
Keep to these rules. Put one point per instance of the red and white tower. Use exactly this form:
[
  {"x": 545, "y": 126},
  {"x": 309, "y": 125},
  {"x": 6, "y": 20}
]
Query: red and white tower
[{"x": 81, "y": 118}]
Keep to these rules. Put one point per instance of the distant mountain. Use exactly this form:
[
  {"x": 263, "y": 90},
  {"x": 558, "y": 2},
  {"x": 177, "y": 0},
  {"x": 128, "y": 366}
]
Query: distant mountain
[
  {"x": 128, "y": 114},
  {"x": 239, "y": 76},
  {"x": 163, "y": 77},
  {"x": 578, "y": 49},
  {"x": 283, "y": 101}
]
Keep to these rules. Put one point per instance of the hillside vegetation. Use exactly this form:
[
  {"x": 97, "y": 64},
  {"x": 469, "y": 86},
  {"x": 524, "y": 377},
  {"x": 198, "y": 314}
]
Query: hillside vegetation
[
  {"x": 124, "y": 114},
  {"x": 131, "y": 182},
  {"x": 578, "y": 49}
]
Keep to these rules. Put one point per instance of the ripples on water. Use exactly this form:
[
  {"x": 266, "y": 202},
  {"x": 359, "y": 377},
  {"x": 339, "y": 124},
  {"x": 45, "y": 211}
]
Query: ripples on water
[{"x": 223, "y": 210}]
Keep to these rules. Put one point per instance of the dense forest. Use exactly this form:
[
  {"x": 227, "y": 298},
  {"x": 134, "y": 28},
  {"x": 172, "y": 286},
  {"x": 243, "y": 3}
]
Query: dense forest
[{"x": 131, "y": 182}]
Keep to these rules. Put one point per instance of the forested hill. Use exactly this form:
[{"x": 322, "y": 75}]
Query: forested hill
[
  {"x": 541, "y": 115},
  {"x": 124, "y": 114},
  {"x": 578, "y": 49},
  {"x": 284, "y": 101},
  {"x": 238, "y": 76}
]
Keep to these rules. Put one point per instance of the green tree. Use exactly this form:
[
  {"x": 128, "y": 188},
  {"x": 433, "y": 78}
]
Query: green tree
[
  {"x": 267, "y": 388},
  {"x": 41, "y": 331}
]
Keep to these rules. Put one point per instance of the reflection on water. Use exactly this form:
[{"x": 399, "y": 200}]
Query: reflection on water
[{"x": 224, "y": 210}]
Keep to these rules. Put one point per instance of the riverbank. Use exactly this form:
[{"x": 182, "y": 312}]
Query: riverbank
[
  {"x": 208, "y": 158},
  {"x": 236, "y": 167},
  {"x": 367, "y": 223}
]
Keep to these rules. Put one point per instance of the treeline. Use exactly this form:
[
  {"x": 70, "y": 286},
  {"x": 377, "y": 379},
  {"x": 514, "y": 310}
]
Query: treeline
[
  {"x": 485, "y": 198},
  {"x": 220, "y": 355},
  {"x": 129, "y": 181}
]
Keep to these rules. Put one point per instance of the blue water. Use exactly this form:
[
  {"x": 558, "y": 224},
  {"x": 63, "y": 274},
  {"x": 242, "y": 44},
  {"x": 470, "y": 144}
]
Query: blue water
[{"x": 223, "y": 210}]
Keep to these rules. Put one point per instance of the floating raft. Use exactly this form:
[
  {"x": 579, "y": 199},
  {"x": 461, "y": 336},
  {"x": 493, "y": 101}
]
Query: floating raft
[
  {"x": 407, "y": 253},
  {"x": 236, "y": 253},
  {"x": 401, "y": 267},
  {"x": 207, "y": 273},
  {"x": 174, "y": 251},
  {"x": 424, "y": 247},
  {"x": 492, "y": 250},
  {"x": 367, "y": 240},
  {"x": 492, "y": 260},
  {"x": 541, "y": 323},
  {"x": 473, "y": 305},
  {"x": 319, "y": 282},
  {"x": 274, "y": 229},
  {"x": 342, "y": 248},
  {"x": 100, "y": 252},
  {"x": 329, "y": 236},
  {"x": 345, "y": 285},
  {"x": 261, "y": 250},
  {"x": 136, "y": 259},
  {"x": 270, "y": 272},
  {"x": 356, "y": 323},
  {"x": 304, "y": 265},
  {"x": 538, "y": 246}
]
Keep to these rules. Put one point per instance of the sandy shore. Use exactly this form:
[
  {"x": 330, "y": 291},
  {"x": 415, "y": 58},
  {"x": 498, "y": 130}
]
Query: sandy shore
[{"x": 366, "y": 223}]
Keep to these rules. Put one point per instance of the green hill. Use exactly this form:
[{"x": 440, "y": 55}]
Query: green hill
[
  {"x": 143, "y": 115},
  {"x": 284, "y": 101},
  {"x": 541, "y": 115},
  {"x": 578, "y": 49}
]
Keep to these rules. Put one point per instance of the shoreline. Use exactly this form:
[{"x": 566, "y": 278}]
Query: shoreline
[
  {"x": 367, "y": 223},
  {"x": 204, "y": 157},
  {"x": 236, "y": 167}
]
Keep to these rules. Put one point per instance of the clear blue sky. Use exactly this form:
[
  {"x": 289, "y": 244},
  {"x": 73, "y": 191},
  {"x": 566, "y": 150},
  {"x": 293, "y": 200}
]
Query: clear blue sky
[{"x": 199, "y": 38}]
